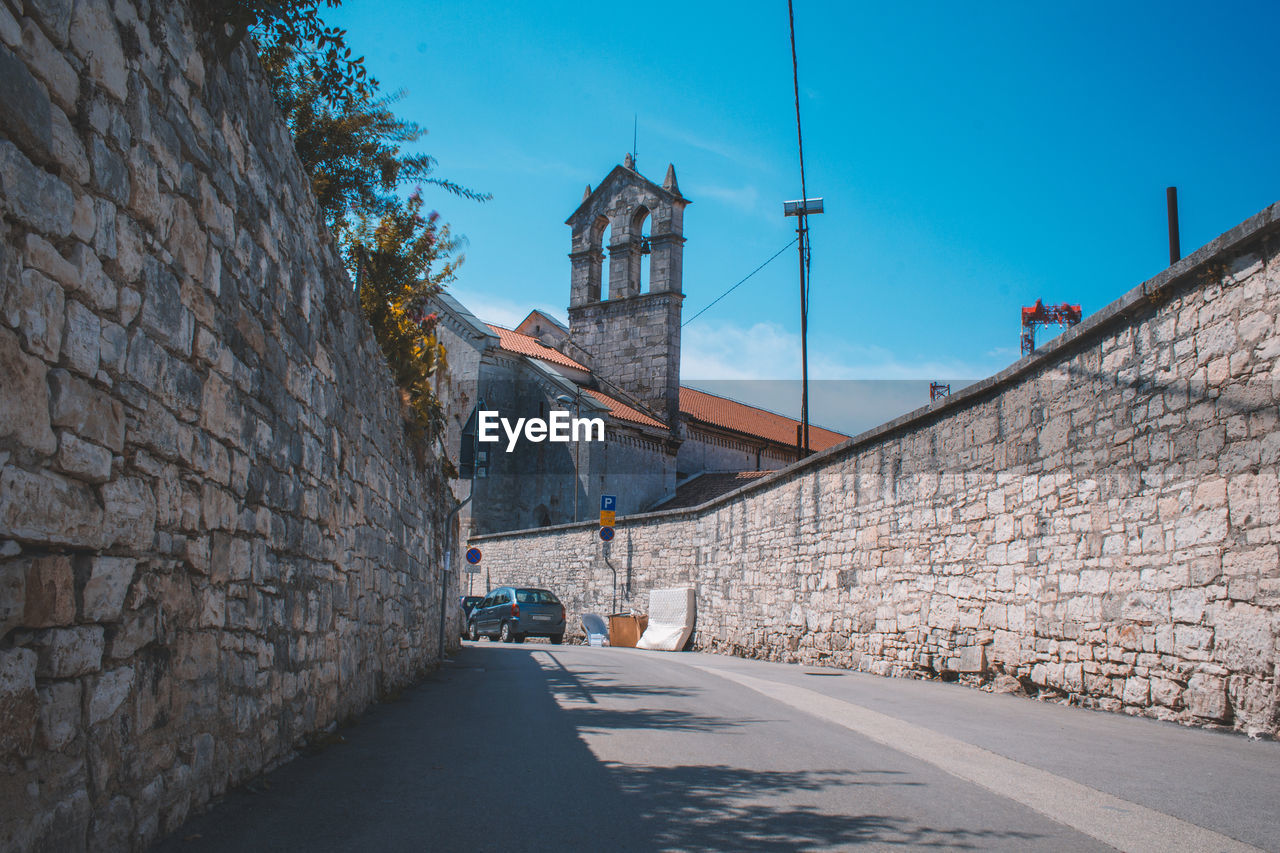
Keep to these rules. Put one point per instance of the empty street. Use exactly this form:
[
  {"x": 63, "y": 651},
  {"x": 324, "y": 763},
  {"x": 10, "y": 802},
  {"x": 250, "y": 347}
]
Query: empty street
[{"x": 540, "y": 747}]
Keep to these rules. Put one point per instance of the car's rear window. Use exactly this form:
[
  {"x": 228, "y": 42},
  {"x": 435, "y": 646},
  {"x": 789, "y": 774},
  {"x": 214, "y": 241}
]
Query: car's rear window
[{"x": 535, "y": 596}]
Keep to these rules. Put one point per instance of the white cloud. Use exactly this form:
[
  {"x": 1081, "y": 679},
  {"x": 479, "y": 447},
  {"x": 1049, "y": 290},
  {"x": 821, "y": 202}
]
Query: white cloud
[
  {"x": 725, "y": 350},
  {"x": 851, "y": 389},
  {"x": 745, "y": 198},
  {"x": 499, "y": 311},
  {"x": 509, "y": 158},
  {"x": 710, "y": 350},
  {"x": 720, "y": 148}
]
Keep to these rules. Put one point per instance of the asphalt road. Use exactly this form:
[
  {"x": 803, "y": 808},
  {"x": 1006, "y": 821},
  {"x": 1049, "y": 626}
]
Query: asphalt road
[{"x": 540, "y": 747}]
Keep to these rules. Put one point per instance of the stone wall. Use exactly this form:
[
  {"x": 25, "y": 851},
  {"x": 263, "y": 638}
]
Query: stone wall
[
  {"x": 635, "y": 345},
  {"x": 1100, "y": 521},
  {"x": 712, "y": 450},
  {"x": 215, "y": 540}
]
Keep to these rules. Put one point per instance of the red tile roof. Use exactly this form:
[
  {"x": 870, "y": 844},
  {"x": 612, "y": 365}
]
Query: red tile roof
[
  {"x": 699, "y": 405},
  {"x": 622, "y": 411},
  {"x": 525, "y": 345},
  {"x": 730, "y": 414}
]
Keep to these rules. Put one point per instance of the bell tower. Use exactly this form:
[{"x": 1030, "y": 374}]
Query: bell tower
[{"x": 631, "y": 334}]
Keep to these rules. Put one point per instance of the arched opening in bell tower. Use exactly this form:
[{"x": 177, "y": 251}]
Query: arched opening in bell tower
[
  {"x": 640, "y": 256},
  {"x": 598, "y": 288}
]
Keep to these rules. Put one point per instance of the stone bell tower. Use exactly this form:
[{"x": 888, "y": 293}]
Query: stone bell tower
[{"x": 633, "y": 337}]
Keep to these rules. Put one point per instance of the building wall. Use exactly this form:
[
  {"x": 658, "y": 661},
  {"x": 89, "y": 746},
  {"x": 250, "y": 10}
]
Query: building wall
[
  {"x": 708, "y": 450},
  {"x": 1100, "y": 520},
  {"x": 636, "y": 467},
  {"x": 635, "y": 345},
  {"x": 458, "y": 388},
  {"x": 215, "y": 540},
  {"x": 533, "y": 477}
]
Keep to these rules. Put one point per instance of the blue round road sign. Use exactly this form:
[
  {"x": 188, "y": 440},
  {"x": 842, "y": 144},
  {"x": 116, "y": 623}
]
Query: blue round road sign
[
  {"x": 606, "y": 533},
  {"x": 473, "y": 555}
]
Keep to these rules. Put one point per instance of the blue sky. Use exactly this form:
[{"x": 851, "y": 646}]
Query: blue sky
[{"x": 973, "y": 157}]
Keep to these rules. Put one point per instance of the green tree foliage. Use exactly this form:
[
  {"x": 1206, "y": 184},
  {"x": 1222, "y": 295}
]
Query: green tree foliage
[
  {"x": 401, "y": 260},
  {"x": 296, "y": 26},
  {"x": 351, "y": 143},
  {"x": 351, "y": 148}
]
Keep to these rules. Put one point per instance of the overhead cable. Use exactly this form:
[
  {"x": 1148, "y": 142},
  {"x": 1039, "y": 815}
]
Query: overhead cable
[{"x": 735, "y": 287}]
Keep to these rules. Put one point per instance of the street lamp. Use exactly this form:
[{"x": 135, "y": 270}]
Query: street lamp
[
  {"x": 801, "y": 208},
  {"x": 576, "y": 402}
]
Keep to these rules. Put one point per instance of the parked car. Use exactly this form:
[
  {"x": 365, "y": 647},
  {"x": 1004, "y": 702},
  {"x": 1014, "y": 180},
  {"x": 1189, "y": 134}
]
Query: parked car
[
  {"x": 512, "y": 613},
  {"x": 468, "y": 603}
]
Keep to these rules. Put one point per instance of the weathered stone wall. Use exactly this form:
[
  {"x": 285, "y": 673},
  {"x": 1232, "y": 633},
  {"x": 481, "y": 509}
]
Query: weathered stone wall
[
  {"x": 1101, "y": 520},
  {"x": 709, "y": 450},
  {"x": 214, "y": 538},
  {"x": 635, "y": 345}
]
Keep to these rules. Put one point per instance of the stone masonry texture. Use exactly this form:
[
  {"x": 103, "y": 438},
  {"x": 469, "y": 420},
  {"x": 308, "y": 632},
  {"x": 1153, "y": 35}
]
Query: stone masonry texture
[
  {"x": 215, "y": 540},
  {"x": 1100, "y": 521}
]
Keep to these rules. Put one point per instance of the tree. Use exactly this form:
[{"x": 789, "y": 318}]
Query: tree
[
  {"x": 295, "y": 26},
  {"x": 402, "y": 259},
  {"x": 351, "y": 148},
  {"x": 351, "y": 144}
]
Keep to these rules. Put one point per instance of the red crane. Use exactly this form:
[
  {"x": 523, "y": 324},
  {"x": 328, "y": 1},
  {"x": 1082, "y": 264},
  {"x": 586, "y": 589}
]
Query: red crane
[{"x": 1042, "y": 315}]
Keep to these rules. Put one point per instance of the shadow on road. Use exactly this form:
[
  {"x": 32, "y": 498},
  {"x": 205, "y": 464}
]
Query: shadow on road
[
  {"x": 481, "y": 756},
  {"x": 478, "y": 756},
  {"x": 723, "y": 808}
]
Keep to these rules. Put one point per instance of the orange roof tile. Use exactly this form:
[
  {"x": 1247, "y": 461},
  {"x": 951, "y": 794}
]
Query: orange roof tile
[
  {"x": 730, "y": 414},
  {"x": 622, "y": 411},
  {"x": 525, "y": 345}
]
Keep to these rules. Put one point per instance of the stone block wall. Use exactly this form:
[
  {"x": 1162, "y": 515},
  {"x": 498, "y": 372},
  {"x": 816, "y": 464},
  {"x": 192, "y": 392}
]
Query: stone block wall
[
  {"x": 215, "y": 540},
  {"x": 635, "y": 345},
  {"x": 712, "y": 450},
  {"x": 1101, "y": 520}
]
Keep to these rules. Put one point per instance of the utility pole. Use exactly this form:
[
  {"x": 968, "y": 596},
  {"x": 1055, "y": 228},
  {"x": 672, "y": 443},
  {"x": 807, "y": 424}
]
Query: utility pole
[
  {"x": 801, "y": 208},
  {"x": 1171, "y": 201}
]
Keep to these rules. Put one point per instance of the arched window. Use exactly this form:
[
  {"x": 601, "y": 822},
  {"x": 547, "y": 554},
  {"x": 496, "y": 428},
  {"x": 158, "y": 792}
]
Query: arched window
[
  {"x": 606, "y": 262},
  {"x": 640, "y": 259},
  {"x": 598, "y": 282}
]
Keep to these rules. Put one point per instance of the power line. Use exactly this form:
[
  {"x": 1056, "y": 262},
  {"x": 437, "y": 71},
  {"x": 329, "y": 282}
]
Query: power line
[{"x": 735, "y": 287}]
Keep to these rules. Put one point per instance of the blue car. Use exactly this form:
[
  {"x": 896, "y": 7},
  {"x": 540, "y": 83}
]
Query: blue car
[
  {"x": 511, "y": 613},
  {"x": 468, "y": 604}
]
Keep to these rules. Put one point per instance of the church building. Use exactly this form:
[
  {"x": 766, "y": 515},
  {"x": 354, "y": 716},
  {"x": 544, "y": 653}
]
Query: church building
[{"x": 665, "y": 445}]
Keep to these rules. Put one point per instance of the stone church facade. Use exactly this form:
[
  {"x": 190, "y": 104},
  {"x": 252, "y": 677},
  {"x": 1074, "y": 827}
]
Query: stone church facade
[{"x": 619, "y": 360}]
